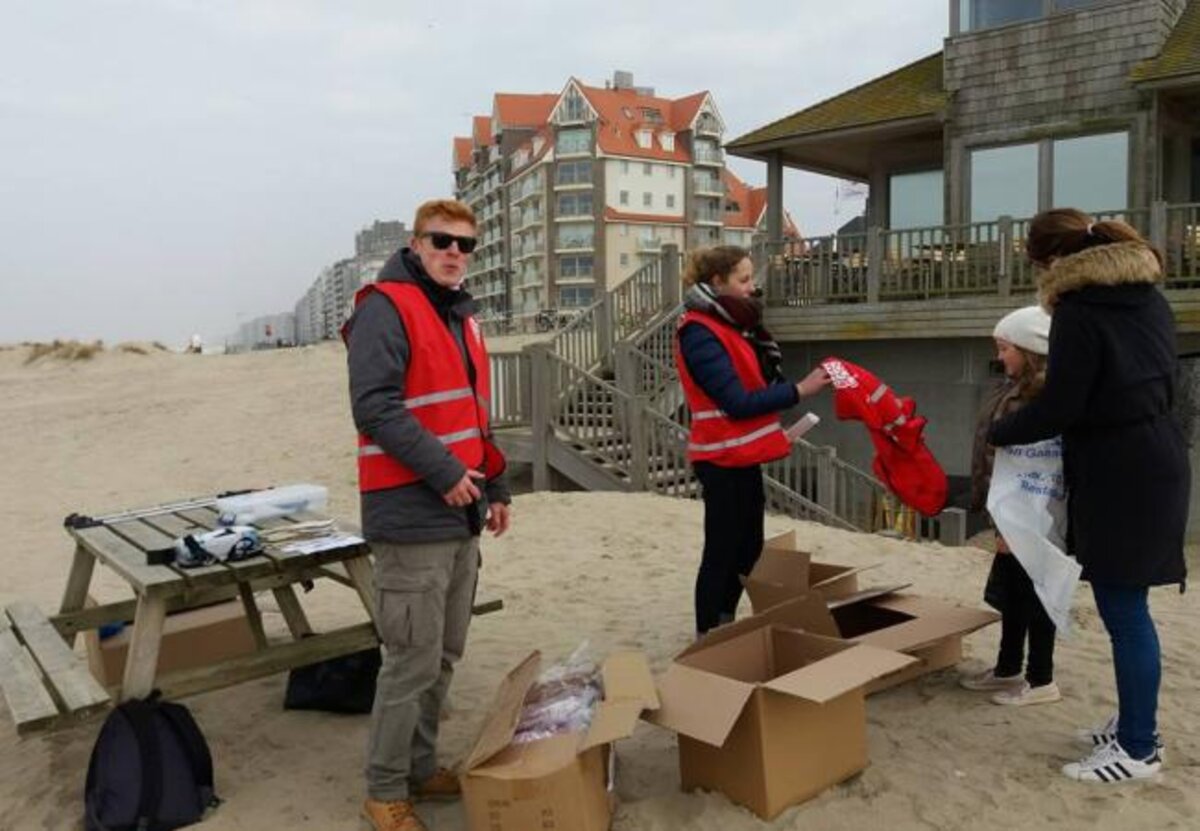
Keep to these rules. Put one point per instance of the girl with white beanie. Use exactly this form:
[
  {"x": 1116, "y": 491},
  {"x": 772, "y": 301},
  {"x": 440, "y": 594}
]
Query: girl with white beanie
[{"x": 1022, "y": 341}]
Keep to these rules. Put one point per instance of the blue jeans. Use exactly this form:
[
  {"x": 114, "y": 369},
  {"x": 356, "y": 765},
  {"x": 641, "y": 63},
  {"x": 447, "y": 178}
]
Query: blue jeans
[{"x": 1136, "y": 657}]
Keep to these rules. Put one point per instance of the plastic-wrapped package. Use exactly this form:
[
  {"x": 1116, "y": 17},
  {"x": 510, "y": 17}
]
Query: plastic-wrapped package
[{"x": 563, "y": 699}]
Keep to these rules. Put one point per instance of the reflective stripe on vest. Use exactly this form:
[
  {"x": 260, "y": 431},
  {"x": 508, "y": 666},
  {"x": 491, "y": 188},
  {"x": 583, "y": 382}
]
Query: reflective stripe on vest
[
  {"x": 738, "y": 442},
  {"x": 438, "y": 397},
  {"x": 447, "y": 438},
  {"x": 714, "y": 436}
]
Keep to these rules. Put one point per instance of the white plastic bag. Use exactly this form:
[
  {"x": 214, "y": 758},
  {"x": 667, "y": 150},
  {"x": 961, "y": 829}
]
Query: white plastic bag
[{"x": 1028, "y": 502}]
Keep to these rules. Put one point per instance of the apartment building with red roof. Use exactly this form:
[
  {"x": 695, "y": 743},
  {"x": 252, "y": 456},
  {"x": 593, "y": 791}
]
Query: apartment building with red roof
[{"x": 576, "y": 190}]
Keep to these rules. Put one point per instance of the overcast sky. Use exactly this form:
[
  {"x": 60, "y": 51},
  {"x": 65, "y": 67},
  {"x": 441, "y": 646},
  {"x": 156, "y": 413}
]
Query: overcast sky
[{"x": 177, "y": 166}]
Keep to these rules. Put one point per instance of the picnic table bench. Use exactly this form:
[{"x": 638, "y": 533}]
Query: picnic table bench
[{"x": 47, "y": 685}]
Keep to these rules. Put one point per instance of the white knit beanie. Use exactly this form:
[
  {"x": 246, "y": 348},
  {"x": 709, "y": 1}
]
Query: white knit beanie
[{"x": 1028, "y": 328}]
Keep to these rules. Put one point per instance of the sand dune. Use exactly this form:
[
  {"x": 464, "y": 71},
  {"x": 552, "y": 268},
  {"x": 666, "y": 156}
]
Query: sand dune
[{"x": 616, "y": 570}]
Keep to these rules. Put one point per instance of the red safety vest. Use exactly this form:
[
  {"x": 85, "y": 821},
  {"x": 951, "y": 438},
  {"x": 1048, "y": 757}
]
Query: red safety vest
[
  {"x": 437, "y": 391},
  {"x": 715, "y": 437}
]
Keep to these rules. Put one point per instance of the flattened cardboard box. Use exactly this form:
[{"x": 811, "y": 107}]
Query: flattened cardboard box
[
  {"x": 927, "y": 629},
  {"x": 558, "y": 784},
  {"x": 784, "y": 571},
  {"x": 770, "y": 715}
]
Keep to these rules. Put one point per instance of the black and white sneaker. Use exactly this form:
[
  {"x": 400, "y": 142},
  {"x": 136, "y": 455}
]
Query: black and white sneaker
[
  {"x": 1111, "y": 764},
  {"x": 1107, "y": 734},
  {"x": 1099, "y": 736}
]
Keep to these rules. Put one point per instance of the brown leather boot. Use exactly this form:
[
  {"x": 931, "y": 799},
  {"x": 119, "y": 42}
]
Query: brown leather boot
[
  {"x": 392, "y": 816},
  {"x": 443, "y": 786}
]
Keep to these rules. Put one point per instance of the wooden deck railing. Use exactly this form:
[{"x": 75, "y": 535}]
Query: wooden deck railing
[{"x": 947, "y": 261}]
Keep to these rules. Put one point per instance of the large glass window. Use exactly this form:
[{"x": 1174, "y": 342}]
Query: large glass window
[
  {"x": 575, "y": 204},
  {"x": 573, "y": 141},
  {"x": 573, "y": 297},
  {"x": 569, "y": 267},
  {"x": 916, "y": 200},
  {"x": 984, "y": 14},
  {"x": 1004, "y": 182},
  {"x": 574, "y": 173},
  {"x": 1092, "y": 172}
]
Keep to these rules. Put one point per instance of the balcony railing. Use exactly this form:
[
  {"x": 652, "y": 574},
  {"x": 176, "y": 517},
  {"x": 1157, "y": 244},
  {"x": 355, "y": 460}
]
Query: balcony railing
[
  {"x": 948, "y": 261},
  {"x": 649, "y": 244},
  {"x": 574, "y": 244},
  {"x": 706, "y": 184},
  {"x": 707, "y": 155}
]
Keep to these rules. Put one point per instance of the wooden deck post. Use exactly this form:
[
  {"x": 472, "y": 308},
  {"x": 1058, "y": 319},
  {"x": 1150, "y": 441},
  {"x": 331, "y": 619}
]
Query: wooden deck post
[
  {"x": 1005, "y": 266},
  {"x": 541, "y": 390},
  {"x": 827, "y": 478},
  {"x": 672, "y": 288},
  {"x": 1158, "y": 226},
  {"x": 875, "y": 255}
]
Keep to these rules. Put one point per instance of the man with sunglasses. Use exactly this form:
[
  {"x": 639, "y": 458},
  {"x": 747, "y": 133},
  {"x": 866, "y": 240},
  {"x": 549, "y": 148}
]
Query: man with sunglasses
[{"x": 430, "y": 481}]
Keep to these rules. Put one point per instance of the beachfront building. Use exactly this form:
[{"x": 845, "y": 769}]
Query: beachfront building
[
  {"x": 1030, "y": 104},
  {"x": 590, "y": 183}
]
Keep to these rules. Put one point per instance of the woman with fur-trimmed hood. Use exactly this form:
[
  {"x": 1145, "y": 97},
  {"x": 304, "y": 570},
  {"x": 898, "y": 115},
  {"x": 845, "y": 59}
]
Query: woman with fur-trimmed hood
[{"x": 1109, "y": 390}]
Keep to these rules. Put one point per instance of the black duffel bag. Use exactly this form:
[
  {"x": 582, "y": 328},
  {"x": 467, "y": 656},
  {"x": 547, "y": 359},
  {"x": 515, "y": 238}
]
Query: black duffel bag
[{"x": 345, "y": 684}]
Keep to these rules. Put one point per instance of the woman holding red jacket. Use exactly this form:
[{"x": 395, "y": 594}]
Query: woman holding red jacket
[{"x": 731, "y": 371}]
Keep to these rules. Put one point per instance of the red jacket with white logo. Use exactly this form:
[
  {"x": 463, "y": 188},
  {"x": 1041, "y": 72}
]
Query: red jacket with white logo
[
  {"x": 902, "y": 461},
  {"x": 437, "y": 391},
  {"x": 715, "y": 437}
]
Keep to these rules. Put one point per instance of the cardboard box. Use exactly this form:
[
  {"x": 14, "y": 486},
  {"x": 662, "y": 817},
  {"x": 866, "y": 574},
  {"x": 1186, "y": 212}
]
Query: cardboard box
[
  {"x": 784, "y": 572},
  {"x": 770, "y": 715},
  {"x": 194, "y": 638},
  {"x": 563, "y": 783},
  {"x": 927, "y": 629}
]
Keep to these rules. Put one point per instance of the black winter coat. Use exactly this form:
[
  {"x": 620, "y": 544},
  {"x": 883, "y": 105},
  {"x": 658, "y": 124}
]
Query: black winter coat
[{"x": 1109, "y": 390}]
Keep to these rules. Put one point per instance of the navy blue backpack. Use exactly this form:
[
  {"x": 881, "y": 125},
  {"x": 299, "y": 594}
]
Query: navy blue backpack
[{"x": 150, "y": 769}]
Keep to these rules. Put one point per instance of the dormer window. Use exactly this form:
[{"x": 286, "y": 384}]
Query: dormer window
[
  {"x": 667, "y": 140},
  {"x": 573, "y": 108},
  {"x": 643, "y": 138}
]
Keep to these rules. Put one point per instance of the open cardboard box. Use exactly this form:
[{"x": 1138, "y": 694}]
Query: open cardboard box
[
  {"x": 783, "y": 572},
  {"x": 770, "y": 715},
  {"x": 927, "y": 629},
  {"x": 563, "y": 783}
]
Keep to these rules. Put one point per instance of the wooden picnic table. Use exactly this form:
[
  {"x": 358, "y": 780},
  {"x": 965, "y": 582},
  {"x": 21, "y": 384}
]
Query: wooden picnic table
[{"x": 46, "y": 684}]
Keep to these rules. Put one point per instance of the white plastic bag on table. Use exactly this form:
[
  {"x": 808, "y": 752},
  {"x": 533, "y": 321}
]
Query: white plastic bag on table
[
  {"x": 562, "y": 700},
  {"x": 1028, "y": 503}
]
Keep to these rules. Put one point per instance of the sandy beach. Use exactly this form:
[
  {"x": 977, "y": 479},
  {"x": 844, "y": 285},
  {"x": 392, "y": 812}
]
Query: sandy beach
[{"x": 615, "y": 570}]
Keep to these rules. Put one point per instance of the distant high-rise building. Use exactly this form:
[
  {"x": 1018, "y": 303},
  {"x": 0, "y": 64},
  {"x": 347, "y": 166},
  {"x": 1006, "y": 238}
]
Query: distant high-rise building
[{"x": 381, "y": 239}]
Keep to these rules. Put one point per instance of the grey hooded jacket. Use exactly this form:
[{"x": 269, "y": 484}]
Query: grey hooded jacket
[{"x": 378, "y": 356}]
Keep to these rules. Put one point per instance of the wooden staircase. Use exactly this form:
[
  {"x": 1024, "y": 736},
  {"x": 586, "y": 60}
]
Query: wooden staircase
[{"x": 601, "y": 405}]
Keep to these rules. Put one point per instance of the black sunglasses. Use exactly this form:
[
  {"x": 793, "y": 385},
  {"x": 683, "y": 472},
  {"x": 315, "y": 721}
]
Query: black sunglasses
[{"x": 441, "y": 241}]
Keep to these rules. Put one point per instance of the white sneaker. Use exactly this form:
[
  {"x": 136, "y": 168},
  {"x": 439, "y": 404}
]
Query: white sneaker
[
  {"x": 1107, "y": 733},
  {"x": 1111, "y": 764},
  {"x": 1099, "y": 736},
  {"x": 989, "y": 681},
  {"x": 1025, "y": 695}
]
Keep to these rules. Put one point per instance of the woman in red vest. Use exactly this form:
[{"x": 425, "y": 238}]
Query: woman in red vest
[{"x": 731, "y": 372}]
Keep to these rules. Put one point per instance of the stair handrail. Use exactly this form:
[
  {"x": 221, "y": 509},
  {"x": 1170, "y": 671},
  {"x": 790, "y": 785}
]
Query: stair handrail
[{"x": 588, "y": 339}]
